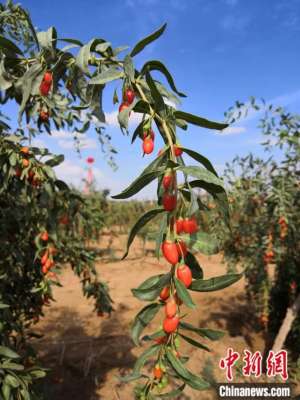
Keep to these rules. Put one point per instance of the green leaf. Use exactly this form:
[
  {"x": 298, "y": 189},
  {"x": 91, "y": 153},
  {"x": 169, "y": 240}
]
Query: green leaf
[
  {"x": 123, "y": 116},
  {"x": 53, "y": 162},
  {"x": 201, "y": 159},
  {"x": 84, "y": 55},
  {"x": 108, "y": 75},
  {"x": 194, "y": 342},
  {"x": 138, "y": 184},
  {"x": 150, "y": 293},
  {"x": 6, "y": 44},
  {"x": 48, "y": 38},
  {"x": 159, "y": 66},
  {"x": 129, "y": 68},
  {"x": 204, "y": 243},
  {"x": 193, "y": 264},
  {"x": 141, "y": 107},
  {"x": 11, "y": 365},
  {"x": 177, "y": 365},
  {"x": 184, "y": 294},
  {"x": 196, "y": 382},
  {"x": 138, "y": 131},
  {"x": 199, "y": 121},
  {"x": 161, "y": 233},
  {"x": 142, "y": 221},
  {"x": 2, "y": 305},
  {"x": 6, "y": 352},
  {"x": 11, "y": 381},
  {"x": 6, "y": 391},
  {"x": 217, "y": 283},
  {"x": 218, "y": 193},
  {"x": 203, "y": 332},
  {"x": 115, "y": 97},
  {"x": 173, "y": 394},
  {"x": 147, "y": 40},
  {"x": 156, "y": 335},
  {"x": 37, "y": 373},
  {"x": 142, "y": 319},
  {"x": 72, "y": 41},
  {"x": 159, "y": 104},
  {"x": 25, "y": 84},
  {"x": 61, "y": 185},
  {"x": 136, "y": 372},
  {"x": 201, "y": 174}
]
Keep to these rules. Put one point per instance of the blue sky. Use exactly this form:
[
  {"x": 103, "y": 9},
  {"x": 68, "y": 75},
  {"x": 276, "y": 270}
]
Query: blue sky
[{"x": 218, "y": 51}]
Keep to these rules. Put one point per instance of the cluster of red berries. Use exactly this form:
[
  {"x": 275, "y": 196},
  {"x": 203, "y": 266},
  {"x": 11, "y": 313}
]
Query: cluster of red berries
[
  {"x": 31, "y": 176},
  {"x": 47, "y": 261},
  {"x": 174, "y": 252},
  {"x": 46, "y": 83},
  {"x": 186, "y": 225},
  {"x": 128, "y": 99}
]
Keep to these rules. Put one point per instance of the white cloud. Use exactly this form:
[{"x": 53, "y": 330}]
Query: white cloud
[
  {"x": 232, "y": 130},
  {"x": 38, "y": 143},
  {"x": 61, "y": 134},
  {"x": 112, "y": 118},
  {"x": 84, "y": 143}
]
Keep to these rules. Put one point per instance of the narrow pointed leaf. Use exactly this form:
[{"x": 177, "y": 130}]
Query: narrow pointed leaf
[
  {"x": 128, "y": 67},
  {"x": 151, "y": 293},
  {"x": 211, "y": 334},
  {"x": 138, "y": 131},
  {"x": 201, "y": 174},
  {"x": 143, "y": 180},
  {"x": 6, "y": 44},
  {"x": 160, "y": 235},
  {"x": 141, "y": 361},
  {"x": 199, "y": 121},
  {"x": 142, "y": 319},
  {"x": 201, "y": 159},
  {"x": 147, "y": 40},
  {"x": 218, "y": 193},
  {"x": 184, "y": 294},
  {"x": 109, "y": 75},
  {"x": 193, "y": 264},
  {"x": 142, "y": 221},
  {"x": 159, "y": 66},
  {"x": 177, "y": 365},
  {"x": 158, "y": 334},
  {"x": 159, "y": 104},
  {"x": 217, "y": 283},
  {"x": 194, "y": 342},
  {"x": 6, "y": 352}
]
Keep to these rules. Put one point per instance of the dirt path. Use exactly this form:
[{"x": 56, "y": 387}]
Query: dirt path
[{"x": 87, "y": 353}]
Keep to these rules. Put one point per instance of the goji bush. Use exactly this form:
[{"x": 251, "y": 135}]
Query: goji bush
[
  {"x": 265, "y": 212},
  {"x": 61, "y": 87}
]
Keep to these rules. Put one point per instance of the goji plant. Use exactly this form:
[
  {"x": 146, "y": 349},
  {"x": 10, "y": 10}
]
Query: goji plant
[{"x": 61, "y": 87}]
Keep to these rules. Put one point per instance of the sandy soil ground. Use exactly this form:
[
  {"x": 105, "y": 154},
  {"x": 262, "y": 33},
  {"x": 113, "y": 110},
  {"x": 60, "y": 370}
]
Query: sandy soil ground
[{"x": 87, "y": 353}]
